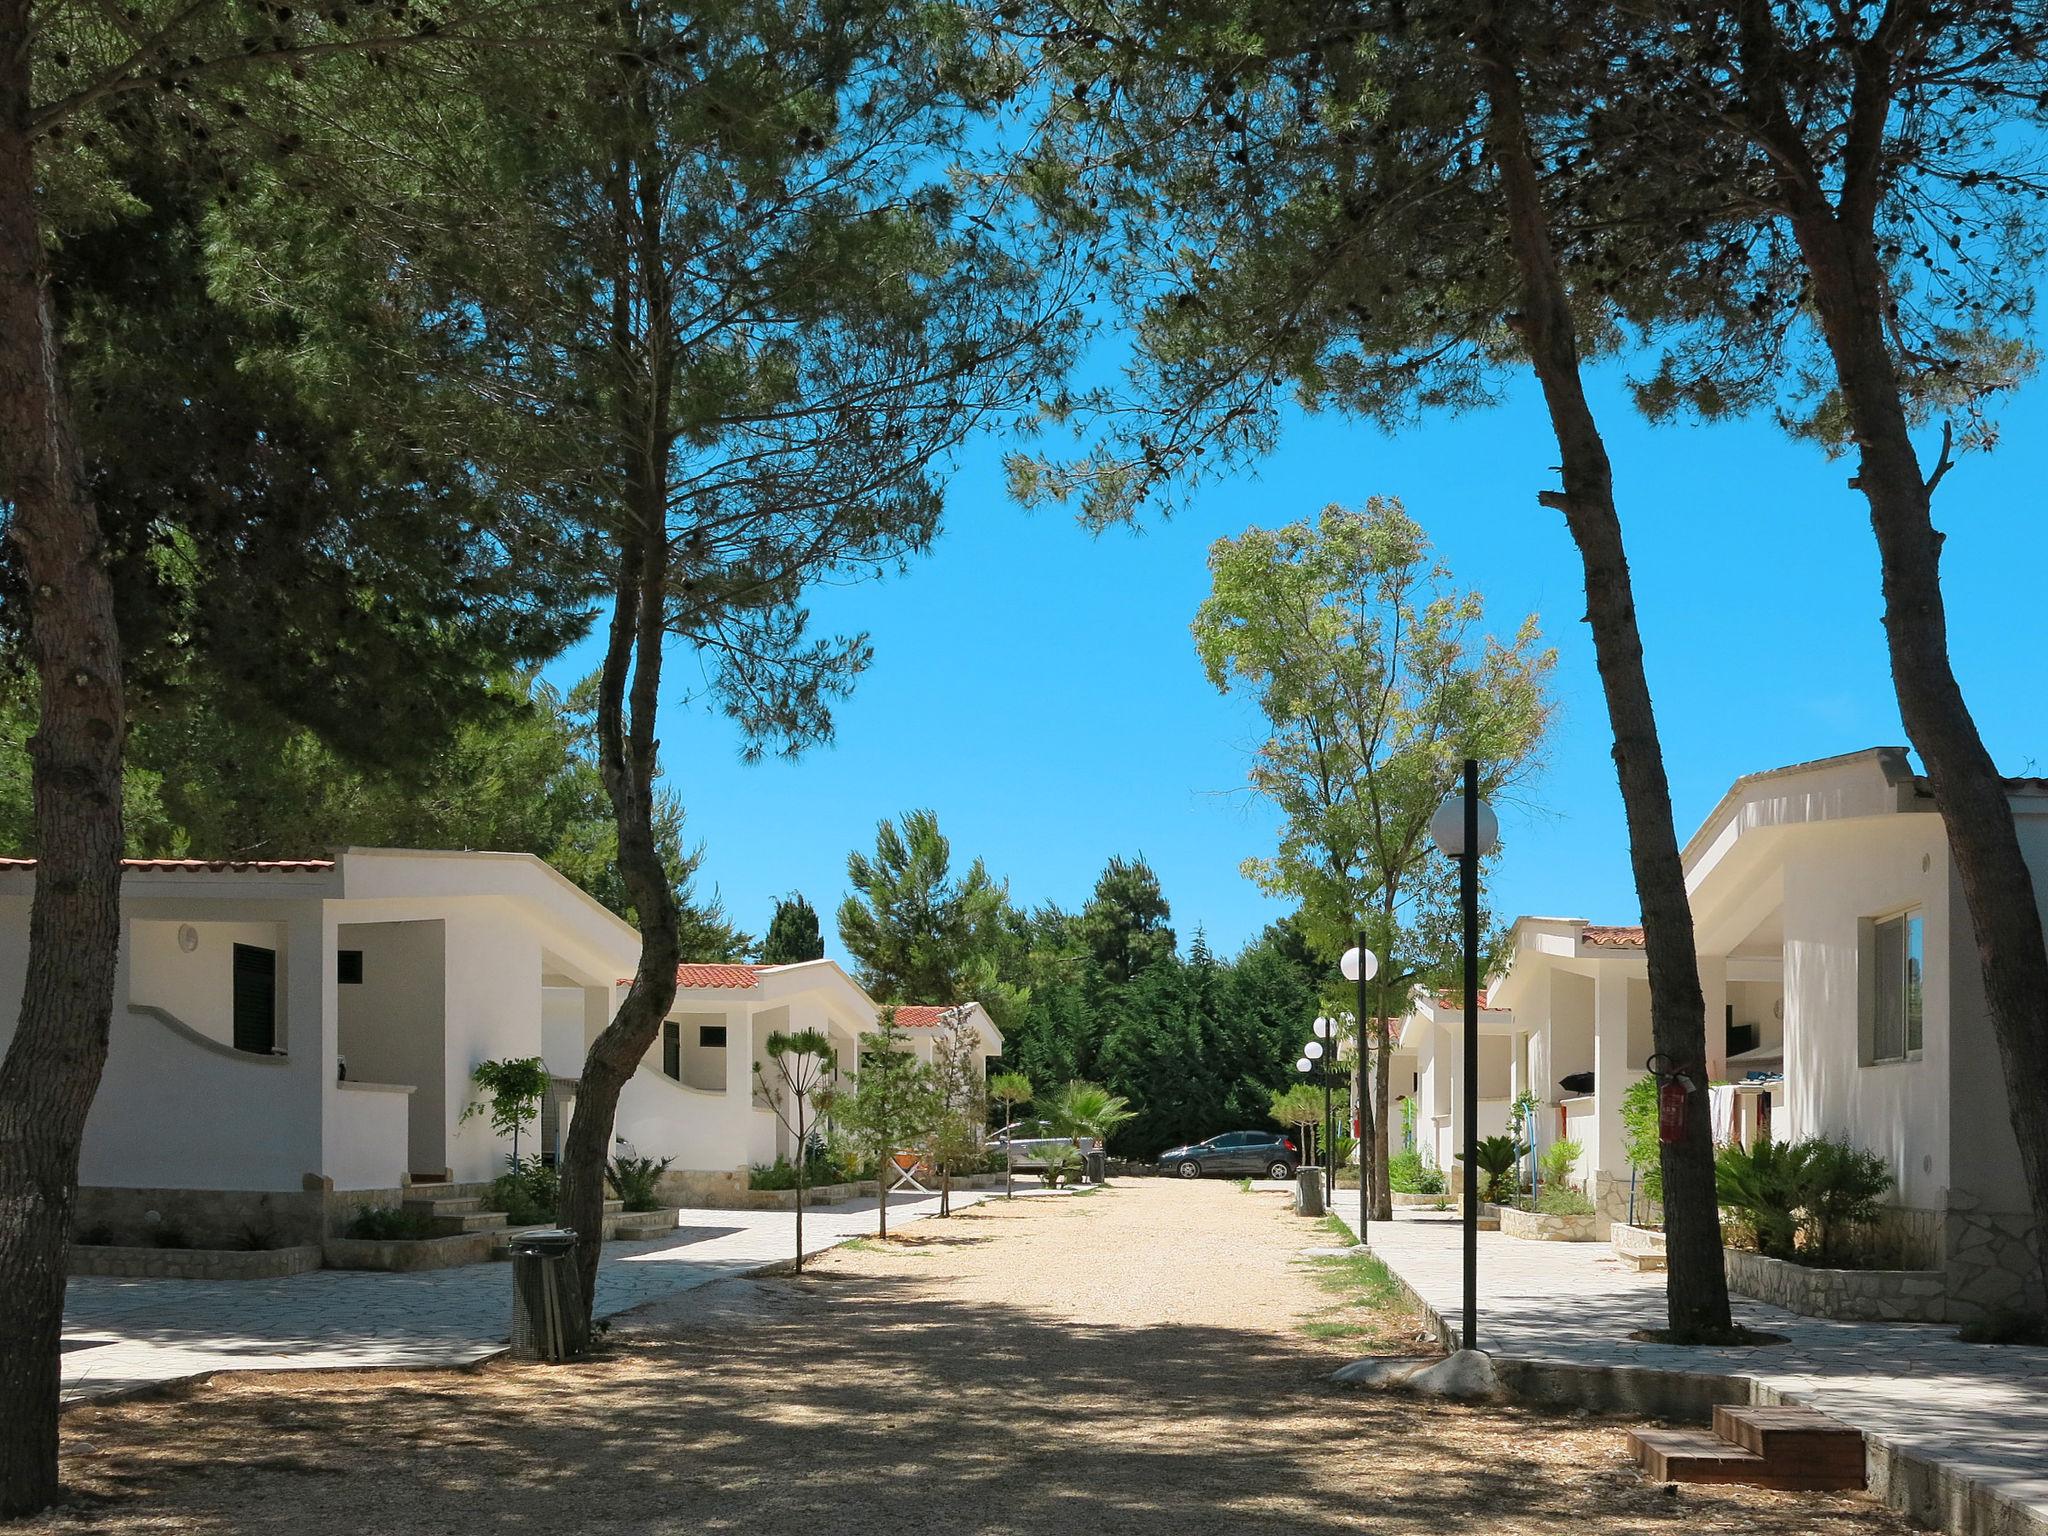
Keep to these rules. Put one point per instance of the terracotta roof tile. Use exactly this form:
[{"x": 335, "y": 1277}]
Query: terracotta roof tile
[
  {"x": 735, "y": 976},
  {"x": 1611, "y": 937},
  {"x": 921, "y": 1016},
  {"x": 212, "y": 866}
]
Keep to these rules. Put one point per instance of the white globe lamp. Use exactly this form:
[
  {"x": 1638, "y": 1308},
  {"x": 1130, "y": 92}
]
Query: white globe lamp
[
  {"x": 1359, "y": 965},
  {"x": 1447, "y": 828}
]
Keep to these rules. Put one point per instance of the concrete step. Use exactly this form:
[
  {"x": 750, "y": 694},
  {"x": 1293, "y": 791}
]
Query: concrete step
[
  {"x": 637, "y": 1226},
  {"x": 433, "y": 1205},
  {"x": 615, "y": 1207},
  {"x": 1642, "y": 1263},
  {"x": 1796, "y": 1441}
]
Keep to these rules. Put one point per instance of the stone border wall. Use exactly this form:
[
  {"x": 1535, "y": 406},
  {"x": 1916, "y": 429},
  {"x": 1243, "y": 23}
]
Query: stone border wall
[
  {"x": 1642, "y": 1242},
  {"x": 1993, "y": 1263},
  {"x": 1544, "y": 1226},
  {"x": 406, "y": 1255},
  {"x": 1850, "y": 1295},
  {"x": 191, "y": 1263}
]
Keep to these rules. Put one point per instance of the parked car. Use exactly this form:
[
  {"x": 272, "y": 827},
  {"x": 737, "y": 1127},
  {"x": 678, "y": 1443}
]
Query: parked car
[
  {"x": 1024, "y": 1141},
  {"x": 1234, "y": 1152}
]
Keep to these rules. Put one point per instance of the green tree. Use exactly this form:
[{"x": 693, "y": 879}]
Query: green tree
[
  {"x": 1376, "y": 685},
  {"x": 793, "y": 934},
  {"x": 1299, "y": 1107},
  {"x": 961, "y": 1130},
  {"x": 510, "y": 1092},
  {"x": 1124, "y": 924},
  {"x": 803, "y": 1067},
  {"x": 910, "y": 925},
  {"x": 1009, "y": 1089},
  {"x": 179, "y": 513},
  {"x": 733, "y": 301},
  {"x": 1359, "y": 216},
  {"x": 1863, "y": 184},
  {"x": 1087, "y": 1110},
  {"x": 893, "y": 1105}
]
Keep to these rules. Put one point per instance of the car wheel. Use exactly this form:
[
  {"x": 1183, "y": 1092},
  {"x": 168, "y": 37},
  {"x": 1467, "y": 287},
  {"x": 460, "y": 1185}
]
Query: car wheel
[
  {"x": 1190, "y": 1170},
  {"x": 1279, "y": 1171}
]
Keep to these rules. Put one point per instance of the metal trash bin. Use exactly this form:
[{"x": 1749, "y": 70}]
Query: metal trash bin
[
  {"x": 1095, "y": 1166},
  {"x": 547, "y": 1310},
  {"x": 1308, "y": 1191}
]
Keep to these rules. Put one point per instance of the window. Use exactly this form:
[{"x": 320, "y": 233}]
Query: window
[
  {"x": 1896, "y": 1009},
  {"x": 255, "y": 999},
  {"x": 711, "y": 1036},
  {"x": 672, "y": 1049},
  {"x": 348, "y": 967}
]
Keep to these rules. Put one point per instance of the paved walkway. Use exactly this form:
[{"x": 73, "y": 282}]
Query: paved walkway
[
  {"x": 1979, "y": 1411},
  {"x": 123, "y": 1334}
]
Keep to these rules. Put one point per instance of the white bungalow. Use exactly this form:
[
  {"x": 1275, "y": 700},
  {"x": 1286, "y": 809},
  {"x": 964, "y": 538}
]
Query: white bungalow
[
  {"x": 1434, "y": 1031},
  {"x": 293, "y": 1038},
  {"x": 924, "y": 1023}
]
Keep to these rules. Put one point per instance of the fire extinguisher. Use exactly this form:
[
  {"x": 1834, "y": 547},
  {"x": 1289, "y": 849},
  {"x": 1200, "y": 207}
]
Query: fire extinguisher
[{"x": 1674, "y": 1090}]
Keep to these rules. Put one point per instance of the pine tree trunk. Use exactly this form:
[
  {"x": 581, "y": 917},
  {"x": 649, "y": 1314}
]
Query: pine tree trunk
[
  {"x": 626, "y": 762},
  {"x": 1983, "y": 838},
  {"x": 1696, "y": 1295},
  {"x": 53, "y": 1064}
]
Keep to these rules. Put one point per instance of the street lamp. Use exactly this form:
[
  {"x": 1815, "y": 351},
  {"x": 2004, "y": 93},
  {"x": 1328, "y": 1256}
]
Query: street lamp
[
  {"x": 1465, "y": 828},
  {"x": 1313, "y": 1051},
  {"x": 1361, "y": 965}
]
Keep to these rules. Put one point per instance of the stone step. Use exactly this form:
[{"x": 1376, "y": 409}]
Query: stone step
[
  {"x": 1795, "y": 1440},
  {"x": 637, "y": 1226},
  {"x": 614, "y": 1207},
  {"x": 1642, "y": 1263},
  {"x": 450, "y": 1223},
  {"x": 432, "y": 1205}
]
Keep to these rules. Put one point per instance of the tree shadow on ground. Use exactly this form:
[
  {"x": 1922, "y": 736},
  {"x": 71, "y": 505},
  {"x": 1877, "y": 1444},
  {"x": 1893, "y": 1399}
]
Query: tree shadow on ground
[{"x": 884, "y": 1408}]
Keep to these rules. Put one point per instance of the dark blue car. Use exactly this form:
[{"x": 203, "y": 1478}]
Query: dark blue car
[{"x": 1265, "y": 1154}]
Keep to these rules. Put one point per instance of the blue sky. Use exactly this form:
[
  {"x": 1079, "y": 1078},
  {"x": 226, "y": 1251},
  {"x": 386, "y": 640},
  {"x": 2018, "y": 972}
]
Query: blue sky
[{"x": 1037, "y": 687}]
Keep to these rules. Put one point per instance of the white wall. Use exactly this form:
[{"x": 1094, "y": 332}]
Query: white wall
[
  {"x": 1836, "y": 876},
  {"x": 389, "y": 1026},
  {"x": 493, "y": 1012},
  {"x": 198, "y": 989}
]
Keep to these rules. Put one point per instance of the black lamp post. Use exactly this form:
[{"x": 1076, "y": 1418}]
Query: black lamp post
[{"x": 1464, "y": 828}]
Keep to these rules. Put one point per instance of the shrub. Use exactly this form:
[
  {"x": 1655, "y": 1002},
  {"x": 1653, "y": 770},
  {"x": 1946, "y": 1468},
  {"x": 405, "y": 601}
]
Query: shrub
[
  {"x": 1497, "y": 1156},
  {"x": 527, "y": 1192},
  {"x": 1639, "y": 1136},
  {"x": 1061, "y": 1159},
  {"x": 1845, "y": 1187},
  {"x": 168, "y": 1234},
  {"x": 1767, "y": 1184},
  {"x": 1821, "y": 1187},
  {"x": 390, "y": 1223},
  {"x": 1558, "y": 1160},
  {"x": 1561, "y": 1200},
  {"x": 98, "y": 1235},
  {"x": 1408, "y": 1173},
  {"x": 633, "y": 1180},
  {"x": 780, "y": 1174}
]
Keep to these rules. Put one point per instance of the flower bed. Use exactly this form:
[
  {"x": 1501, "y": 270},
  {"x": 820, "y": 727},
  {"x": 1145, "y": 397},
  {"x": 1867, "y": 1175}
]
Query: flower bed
[
  {"x": 191, "y": 1263},
  {"x": 406, "y": 1254},
  {"x": 1852, "y": 1295}
]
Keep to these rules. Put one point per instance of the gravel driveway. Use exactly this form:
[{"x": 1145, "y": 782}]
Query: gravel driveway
[{"x": 1147, "y": 1359}]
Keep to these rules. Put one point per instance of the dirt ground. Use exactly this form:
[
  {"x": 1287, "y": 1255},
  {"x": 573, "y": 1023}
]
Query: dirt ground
[{"x": 1147, "y": 1359}]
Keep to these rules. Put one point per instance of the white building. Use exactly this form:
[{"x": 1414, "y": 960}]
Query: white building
[
  {"x": 924, "y": 1023},
  {"x": 1843, "y": 998},
  {"x": 1434, "y": 1032},
  {"x": 295, "y": 1038}
]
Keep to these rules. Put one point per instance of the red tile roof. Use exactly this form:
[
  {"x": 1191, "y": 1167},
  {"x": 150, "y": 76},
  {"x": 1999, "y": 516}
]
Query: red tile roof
[
  {"x": 921, "y": 1016},
  {"x": 1613, "y": 938},
  {"x": 214, "y": 866},
  {"x": 739, "y": 976}
]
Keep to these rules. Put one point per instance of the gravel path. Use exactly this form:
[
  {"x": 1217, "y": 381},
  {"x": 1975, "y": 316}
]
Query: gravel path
[{"x": 1142, "y": 1360}]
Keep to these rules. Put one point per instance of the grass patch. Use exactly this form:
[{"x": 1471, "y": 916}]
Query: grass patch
[
  {"x": 1244, "y": 1186},
  {"x": 1368, "y": 1306}
]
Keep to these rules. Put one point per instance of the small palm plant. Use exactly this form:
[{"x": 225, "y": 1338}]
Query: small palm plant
[
  {"x": 1088, "y": 1109},
  {"x": 1009, "y": 1089},
  {"x": 1497, "y": 1156},
  {"x": 803, "y": 1062}
]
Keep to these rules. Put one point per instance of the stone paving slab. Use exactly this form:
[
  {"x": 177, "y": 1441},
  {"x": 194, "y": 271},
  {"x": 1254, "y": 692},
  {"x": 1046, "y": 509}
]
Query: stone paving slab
[
  {"x": 124, "y": 1335},
  {"x": 1977, "y": 1412}
]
